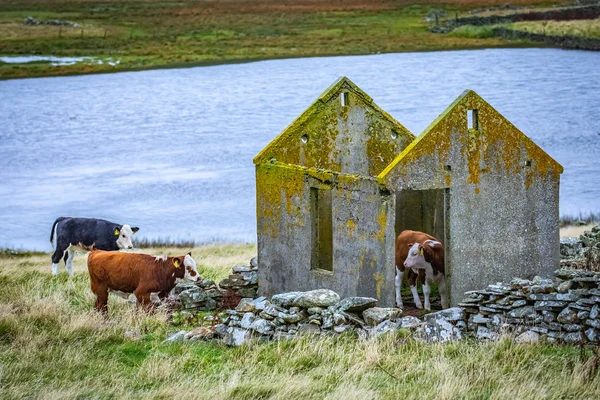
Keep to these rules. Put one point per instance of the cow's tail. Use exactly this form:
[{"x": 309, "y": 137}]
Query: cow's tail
[{"x": 53, "y": 233}]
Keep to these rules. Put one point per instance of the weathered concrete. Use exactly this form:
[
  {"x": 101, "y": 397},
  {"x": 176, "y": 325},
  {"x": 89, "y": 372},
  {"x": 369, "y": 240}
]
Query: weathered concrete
[
  {"x": 336, "y": 149},
  {"x": 501, "y": 194},
  {"x": 338, "y": 185}
]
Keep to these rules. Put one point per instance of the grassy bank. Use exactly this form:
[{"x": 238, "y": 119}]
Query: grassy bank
[
  {"x": 146, "y": 34},
  {"x": 52, "y": 345}
]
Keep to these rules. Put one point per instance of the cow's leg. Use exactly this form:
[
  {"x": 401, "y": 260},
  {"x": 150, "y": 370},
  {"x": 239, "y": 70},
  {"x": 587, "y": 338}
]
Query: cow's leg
[
  {"x": 101, "y": 292},
  {"x": 426, "y": 292},
  {"x": 412, "y": 281},
  {"x": 59, "y": 252},
  {"x": 399, "y": 276},
  {"x": 442, "y": 289},
  {"x": 143, "y": 298},
  {"x": 69, "y": 256}
]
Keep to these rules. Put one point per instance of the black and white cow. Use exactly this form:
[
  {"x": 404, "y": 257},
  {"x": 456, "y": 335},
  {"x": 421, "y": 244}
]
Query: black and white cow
[{"x": 70, "y": 234}]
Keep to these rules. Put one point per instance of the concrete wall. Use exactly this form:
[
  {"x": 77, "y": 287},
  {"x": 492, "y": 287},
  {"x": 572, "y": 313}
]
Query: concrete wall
[
  {"x": 363, "y": 234},
  {"x": 502, "y": 217}
]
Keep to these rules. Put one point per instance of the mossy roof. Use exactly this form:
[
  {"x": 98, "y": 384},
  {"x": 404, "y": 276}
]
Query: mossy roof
[
  {"x": 295, "y": 129},
  {"x": 435, "y": 138}
]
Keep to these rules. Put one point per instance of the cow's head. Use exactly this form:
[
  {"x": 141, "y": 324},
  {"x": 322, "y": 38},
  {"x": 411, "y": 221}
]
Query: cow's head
[
  {"x": 189, "y": 265},
  {"x": 418, "y": 256},
  {"x": 124, "y": 235}
]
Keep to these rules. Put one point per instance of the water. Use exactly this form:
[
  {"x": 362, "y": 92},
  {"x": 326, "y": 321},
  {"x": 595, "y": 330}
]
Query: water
[
  {"x": 51, "y": 59},
  {"x": 171, "y": 150}
]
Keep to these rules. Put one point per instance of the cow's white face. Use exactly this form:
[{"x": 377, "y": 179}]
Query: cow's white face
[
  {"x": 415, "y": 258},
  {"x": 124, "y": 237},
  {"x": 191, "y": 273}
]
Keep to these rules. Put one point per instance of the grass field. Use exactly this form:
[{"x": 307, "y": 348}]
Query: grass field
[
  {"x": 586, "y": 28},
  {"x": 146, "y": 34},
  {"x": 53, "y": 345}
]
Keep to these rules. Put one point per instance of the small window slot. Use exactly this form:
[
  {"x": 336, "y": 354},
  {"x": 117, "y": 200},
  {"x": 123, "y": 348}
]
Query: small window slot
[
  {"x": 473, "y": 119},
  {"x": 344, "y": 99}
]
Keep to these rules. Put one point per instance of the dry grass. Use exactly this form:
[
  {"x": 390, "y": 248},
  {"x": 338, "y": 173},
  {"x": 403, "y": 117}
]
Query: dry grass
[
  {"x": 586, "y": 28},
  {"x": 575, "y": 231},
  {"x": 52, "y": 345}
]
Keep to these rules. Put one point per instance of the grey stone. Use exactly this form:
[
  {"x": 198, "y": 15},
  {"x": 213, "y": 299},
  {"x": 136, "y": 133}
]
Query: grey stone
[
  {"x": 594, "y": 312},
  {"x": 339, "y": 319},
  {"x": 241, "y": 268},
  {"x": 549, "y": 316},
  {"x": 261, "y": 326},
  {"x": 373, "y": 316},
  {"x": 247, "y": 320},
  {"x": 519, "y": 303},
  {"x": 572, "y": 327},
  {"x": 293, "y": 318},
  {"x": 484, "y": 333},
  {"x": 437, "y": 330},
  {"x": 564, "y": 287},
  {"x": 221, "y": 330},
  {"x": 251, "y": 277},
  {"x": 273, "y": 310},
  {"x": 570, "y": 247},
  {"x": 309, "y": 328},
  {"x": 384, "y": 327},
  {"x": 315, "y": 321},
  {"x": 315, "y": 310},
  {"x": 523, "y": 312},
  {"x": 528, "y": 337},
  {"x": 316, "y": 298},
  {"x": 449, "y": 314},
  {"x": 462, "y": 325},
  {"x": 351, "y": 317},
  {"x": 549, "y": 305},
  {"x": 176, "y": 337},
  {"x": 254, "y": 262},
  {"x": 518, "y": 283},
  {"x": 327, "y": 321},
  {"x": 284, "y": 299},
  {"x": 246, "y": 305},
  {"x": 479, "y": 319},
  {"x": 592, "y": 335},
  {"x": 567, "y": 316},
  {"x": 554, "y": 296},
  {"x": 409, "y": 322},
  {"x": 594, "y": 323},
  {"x": 356, "y": 304},
  {"x": 260, "y": 303},
  {"x": 236, "y": 336},
  {"x": 572, "y": 337},
  {"x": 582, "y": 315},
  {"x": 341, "y": 328}
]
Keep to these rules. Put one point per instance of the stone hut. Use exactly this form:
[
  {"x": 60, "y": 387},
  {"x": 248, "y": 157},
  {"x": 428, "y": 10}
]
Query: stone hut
[{"x": 336, "y": 187}]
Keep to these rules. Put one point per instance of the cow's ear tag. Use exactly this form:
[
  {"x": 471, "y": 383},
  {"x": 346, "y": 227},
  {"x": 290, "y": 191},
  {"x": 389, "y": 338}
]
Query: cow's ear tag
[
  {"x": 176, "y": 263},
  {"x": 421, "y": 251},
  {"x": 117, "y": 232}
]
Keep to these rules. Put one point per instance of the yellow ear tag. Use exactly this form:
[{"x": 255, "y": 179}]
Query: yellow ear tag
[
  {"x": 176, "y": 263},
  {"x": 117, "y": 232},
  {"x": 421, "y": 251}
]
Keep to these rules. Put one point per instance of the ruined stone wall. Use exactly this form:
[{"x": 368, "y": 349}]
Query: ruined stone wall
[
  {"x": 566, "y": 310},
  {"x": 362, "y": 225}
]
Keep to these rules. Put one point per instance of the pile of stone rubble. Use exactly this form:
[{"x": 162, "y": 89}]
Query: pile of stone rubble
[
  {"x": 321, "y": 312},
  {"x": 565, "y": 310},
  {"x": 243, "y": 281},
  {"x": 582, "y": 252}
]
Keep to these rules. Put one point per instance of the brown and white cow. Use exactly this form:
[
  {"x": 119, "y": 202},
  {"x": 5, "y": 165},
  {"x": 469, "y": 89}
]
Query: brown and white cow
[
  {"x": 140, "y": 274},
  {"x": 423, "y": 256}
]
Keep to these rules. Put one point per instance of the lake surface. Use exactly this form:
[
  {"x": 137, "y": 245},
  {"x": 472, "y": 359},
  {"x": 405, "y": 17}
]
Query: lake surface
[{"x": 171, "y": 150}]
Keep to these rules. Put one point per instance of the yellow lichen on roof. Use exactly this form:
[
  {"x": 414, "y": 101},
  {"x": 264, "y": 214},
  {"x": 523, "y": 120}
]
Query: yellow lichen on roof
[
  {"x": 350, "y": 139},
  {"x": 497, "y": 142}
]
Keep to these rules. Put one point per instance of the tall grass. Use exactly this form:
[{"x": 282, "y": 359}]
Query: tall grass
[
  {"x": 583, "y": 218},
  {"x": 53, "y": 345}
]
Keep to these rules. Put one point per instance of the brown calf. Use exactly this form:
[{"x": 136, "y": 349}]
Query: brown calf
[
  {"x": 423, "y": 256},
  {"x": 140, "y": 274}
]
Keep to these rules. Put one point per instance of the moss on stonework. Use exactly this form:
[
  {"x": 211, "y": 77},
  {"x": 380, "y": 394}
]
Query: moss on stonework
[{"x": 496, "y": 146}]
